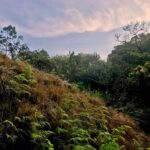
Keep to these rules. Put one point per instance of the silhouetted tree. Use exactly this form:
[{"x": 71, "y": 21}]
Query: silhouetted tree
[
  {"x": 10, "y": 43},
  {"x": 133, "y": 35}
]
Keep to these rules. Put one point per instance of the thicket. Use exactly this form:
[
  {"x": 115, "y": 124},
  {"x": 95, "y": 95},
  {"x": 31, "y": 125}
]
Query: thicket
[
  {"x": 40, "y": 111},
  {"x": 123, "y": 80}
]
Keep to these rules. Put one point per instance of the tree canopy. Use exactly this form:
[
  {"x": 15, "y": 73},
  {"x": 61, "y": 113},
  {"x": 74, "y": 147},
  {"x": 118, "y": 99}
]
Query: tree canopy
[{"x": 10, "y": 43}]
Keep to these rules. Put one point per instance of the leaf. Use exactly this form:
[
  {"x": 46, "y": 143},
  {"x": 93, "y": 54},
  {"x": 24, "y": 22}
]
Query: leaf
[{"x": 109, "y": 146}]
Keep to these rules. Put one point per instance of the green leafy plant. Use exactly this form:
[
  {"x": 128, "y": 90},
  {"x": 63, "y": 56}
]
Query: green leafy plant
[
  {"x": 26, "y": 133},
  {"x": 109, "y": 146}
]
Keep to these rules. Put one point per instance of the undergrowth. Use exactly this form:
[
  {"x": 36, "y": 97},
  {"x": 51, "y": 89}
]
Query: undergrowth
[{"x": 39, "y": 111}]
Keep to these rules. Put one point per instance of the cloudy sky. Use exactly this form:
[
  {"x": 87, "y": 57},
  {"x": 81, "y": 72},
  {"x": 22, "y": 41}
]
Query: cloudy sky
[{"x": 53, "y": 19}]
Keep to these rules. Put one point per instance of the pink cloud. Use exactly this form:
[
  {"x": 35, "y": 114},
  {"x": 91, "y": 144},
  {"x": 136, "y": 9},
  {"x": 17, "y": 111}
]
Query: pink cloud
[{"x": 76, "y": 15}]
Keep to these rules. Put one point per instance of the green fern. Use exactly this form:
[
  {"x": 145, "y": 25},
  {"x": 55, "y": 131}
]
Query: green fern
[
  {"x": 109, "y": 146},
  {"x": 83, "y": 147}
]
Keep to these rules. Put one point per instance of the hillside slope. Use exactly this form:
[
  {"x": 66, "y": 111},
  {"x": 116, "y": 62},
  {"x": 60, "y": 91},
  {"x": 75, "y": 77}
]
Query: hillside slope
[{"x": 39, "y": 111}]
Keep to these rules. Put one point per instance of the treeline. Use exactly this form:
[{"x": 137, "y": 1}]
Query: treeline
[
  {"x": 124, "y": 78},
  {"x": 87, "y": 70}
]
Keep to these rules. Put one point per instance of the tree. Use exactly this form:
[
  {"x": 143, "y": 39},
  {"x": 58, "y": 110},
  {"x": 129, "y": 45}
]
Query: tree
[
  {"x": 38, "y": 58},
  {"x": 10, "y": 43},
  {"x": 133, "y": 36},
  {"x": 139, "y": 85}
]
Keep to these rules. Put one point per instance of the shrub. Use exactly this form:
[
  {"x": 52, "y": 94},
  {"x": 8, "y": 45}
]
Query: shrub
[{"x": 26, "y": 133}]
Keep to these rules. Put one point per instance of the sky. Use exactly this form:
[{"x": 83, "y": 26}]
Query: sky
[{"x": 54, "y": 20}]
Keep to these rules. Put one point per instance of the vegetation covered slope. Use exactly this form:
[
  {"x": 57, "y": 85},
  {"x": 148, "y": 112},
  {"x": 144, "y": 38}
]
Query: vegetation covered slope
[
  {"x": 39, "y": 111},
  {"x": 124, "y": 79}
]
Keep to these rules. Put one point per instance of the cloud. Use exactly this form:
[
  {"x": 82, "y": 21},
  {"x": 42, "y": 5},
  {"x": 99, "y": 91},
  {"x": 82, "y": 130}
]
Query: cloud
[{"x": 49, "y": 18}]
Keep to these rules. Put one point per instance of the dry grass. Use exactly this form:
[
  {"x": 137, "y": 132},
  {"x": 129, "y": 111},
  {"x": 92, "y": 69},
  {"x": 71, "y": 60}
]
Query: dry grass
[
  {"x": 51, "y": 93},
  {"x": 26, "y": 109}
]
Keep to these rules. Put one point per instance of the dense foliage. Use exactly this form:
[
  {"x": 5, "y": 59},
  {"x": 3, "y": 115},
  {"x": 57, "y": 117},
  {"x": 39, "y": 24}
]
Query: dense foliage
[
  {"x": 40, "y": 111},
  {"x": 112, "y": 79}
]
